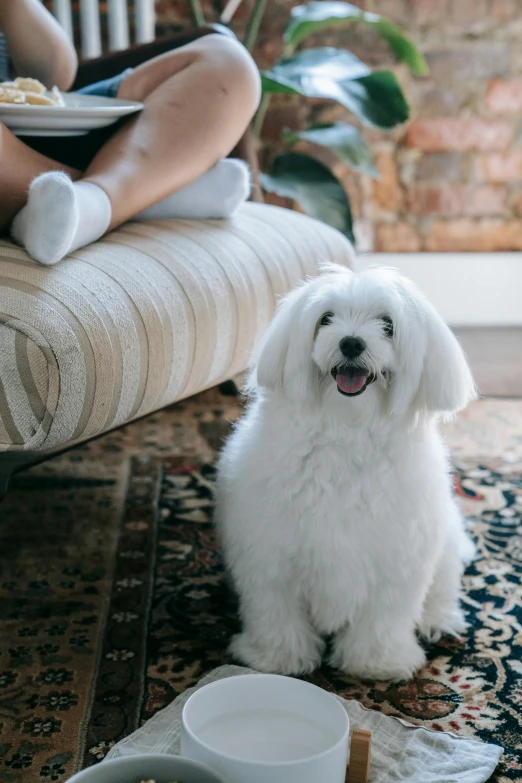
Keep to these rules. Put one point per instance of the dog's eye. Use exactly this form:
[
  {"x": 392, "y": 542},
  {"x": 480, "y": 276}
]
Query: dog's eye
[
  {"x": 326, "y": 319},
  {"x": 387, "y": 325}
]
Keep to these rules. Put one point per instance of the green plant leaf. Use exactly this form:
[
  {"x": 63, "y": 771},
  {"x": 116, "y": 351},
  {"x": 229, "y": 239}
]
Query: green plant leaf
[
  {"x": 313, "y": 186},
  {"x": 271, "y": 83},
  {"x": 344, "y": 141},
  {"x": 376, "y": 98},
  {"x": 308, "y": 19}
]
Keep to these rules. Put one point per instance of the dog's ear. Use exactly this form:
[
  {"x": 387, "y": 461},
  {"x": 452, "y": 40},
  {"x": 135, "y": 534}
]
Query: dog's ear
[
  {"x": 432, "y": 373},
  {"x": 284, "y": 361},
  {"x": 274, "y": 347},
  {"x": 446, "y": 384}
]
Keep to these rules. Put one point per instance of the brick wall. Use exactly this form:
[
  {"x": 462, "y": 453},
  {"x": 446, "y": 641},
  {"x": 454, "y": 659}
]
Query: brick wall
[{"x": 452, "y": 178}]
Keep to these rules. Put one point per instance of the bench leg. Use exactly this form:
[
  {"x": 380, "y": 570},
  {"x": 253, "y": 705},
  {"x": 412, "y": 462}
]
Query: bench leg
[
  {"x": 12, "y": 462},
  {"x": 229, "y": 389},
  {"x": 6, "y": 473}
]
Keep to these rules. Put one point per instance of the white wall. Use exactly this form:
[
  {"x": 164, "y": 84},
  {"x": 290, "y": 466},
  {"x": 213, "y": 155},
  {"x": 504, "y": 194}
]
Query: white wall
[{"x": 468, "y": 289}]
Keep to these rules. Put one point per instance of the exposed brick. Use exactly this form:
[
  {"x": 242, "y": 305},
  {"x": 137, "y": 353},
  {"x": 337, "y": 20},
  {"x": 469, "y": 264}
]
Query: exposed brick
[
  {"x": 499, "y": 167},
  {"x": 278, "y": 201},
  {"x": 504, "y": 10},
  {"x": 455, "y": 200},
  {"x": 447, "y": 166},
  {"x": 361, "y": 40},
  {"x": 364, "y": 235},
  {"x": 374, "y": 136},
  {"x": 396, "y": 10},
  {"x": 386, "y": 190},
  {"x": 504, "y": 96},
  {"x": 475, "y": 236},
  {"x": 464, "y": 12},
  {"x": 396, "y": 238},
  {"x": 266, "y": 52},
  {"x": 279, "y": 117},
  {"x": 351, "y": 182},
  {"x": 467, "y": 127},
  {"x": 243, "y": 12},
  {"x": 433, "y": 101},
  {"x": 407, "y": 160},
  {"x": 483, "y": 61},
  {"x": 429, "y": 11},
  {"x": 454, "y": 133}
]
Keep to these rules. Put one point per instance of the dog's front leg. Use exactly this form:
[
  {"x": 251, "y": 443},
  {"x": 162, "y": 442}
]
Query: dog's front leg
[
  {"x": 380, "y": 644},
  {"x": 277, "y": 634}
]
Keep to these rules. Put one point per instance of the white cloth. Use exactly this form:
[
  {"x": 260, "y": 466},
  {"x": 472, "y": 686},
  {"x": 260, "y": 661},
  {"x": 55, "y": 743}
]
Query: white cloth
[{"x": 401, "y": 752}]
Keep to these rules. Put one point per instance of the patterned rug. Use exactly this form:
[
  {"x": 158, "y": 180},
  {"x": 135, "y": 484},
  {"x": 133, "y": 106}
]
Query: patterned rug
[{"x": 112, "y": 599}]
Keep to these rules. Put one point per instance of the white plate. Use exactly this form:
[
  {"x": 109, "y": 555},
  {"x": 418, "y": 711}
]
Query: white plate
[{"x": 80, "y": 114}]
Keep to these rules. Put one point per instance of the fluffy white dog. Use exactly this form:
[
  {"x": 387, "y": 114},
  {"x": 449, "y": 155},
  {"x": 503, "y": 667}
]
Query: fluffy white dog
[{"x": 335, "y": 505}]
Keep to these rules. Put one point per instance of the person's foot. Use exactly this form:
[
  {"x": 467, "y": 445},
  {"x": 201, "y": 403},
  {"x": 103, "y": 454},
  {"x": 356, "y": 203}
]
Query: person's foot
[
  {"x": 60, "y": 216},
  {"x": 215, "y": 194}
]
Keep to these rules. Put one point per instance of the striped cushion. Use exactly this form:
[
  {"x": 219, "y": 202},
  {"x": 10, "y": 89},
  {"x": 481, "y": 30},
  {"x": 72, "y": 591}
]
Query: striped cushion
[{"x": 153, "y": 313}]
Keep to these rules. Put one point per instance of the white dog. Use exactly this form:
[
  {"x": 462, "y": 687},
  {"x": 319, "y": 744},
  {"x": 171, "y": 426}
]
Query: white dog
[{"x": 334, "y": 502}]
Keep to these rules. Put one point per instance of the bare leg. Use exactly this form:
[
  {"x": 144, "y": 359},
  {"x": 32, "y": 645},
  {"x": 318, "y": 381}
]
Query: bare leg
[
  {"x": 198, "y": 101},
  {"x": 19, "y": 166}
]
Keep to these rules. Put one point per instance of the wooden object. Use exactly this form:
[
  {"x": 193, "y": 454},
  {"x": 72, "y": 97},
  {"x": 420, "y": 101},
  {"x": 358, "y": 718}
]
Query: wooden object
[
  {"x": 358, "y": 770},
  {"x": 229, "y": 10},
  {"x": 117, "y": 21}
]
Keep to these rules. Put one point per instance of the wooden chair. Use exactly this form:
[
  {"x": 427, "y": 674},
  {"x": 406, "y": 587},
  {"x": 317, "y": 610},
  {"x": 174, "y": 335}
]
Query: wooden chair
[{"x": 118, "y": 22}]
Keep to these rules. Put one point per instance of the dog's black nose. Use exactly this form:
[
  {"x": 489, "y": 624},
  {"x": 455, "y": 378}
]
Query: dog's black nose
[{"x": 351, "y": 347}]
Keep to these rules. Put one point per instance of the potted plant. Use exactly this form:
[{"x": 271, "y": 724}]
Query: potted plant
[{"x": 374, "y": 98}]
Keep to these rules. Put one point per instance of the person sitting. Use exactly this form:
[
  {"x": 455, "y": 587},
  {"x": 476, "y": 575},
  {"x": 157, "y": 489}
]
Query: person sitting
[{"x": 169, "y": 160}]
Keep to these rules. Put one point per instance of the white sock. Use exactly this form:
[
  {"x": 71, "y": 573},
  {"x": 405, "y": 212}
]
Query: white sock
[
  {"x": 215, "y": 194},
  {"x": 60, "y": 216}
]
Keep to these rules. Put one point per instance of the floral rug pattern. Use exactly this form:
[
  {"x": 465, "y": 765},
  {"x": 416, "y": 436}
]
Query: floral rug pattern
[{"x": 112, "y": 597}]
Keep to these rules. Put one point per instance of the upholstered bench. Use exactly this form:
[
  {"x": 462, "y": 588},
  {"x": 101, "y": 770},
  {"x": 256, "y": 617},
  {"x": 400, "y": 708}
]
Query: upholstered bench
[{"x": 153, "y": 313}]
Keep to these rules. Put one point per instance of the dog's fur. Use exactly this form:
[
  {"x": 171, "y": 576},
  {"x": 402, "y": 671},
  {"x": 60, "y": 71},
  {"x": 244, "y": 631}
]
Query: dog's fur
[{"x": 336, "y": 512}]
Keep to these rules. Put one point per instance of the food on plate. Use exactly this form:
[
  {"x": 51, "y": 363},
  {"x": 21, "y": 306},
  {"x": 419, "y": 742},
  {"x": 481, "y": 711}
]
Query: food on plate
[
  {"x": 10, "y": 94},
  {"x": 25, "y": 91},
  {"x": 26, "y": 84}
]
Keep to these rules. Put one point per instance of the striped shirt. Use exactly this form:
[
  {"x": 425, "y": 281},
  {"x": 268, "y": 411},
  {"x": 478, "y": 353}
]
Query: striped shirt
[{"x": 4, "y": 60}]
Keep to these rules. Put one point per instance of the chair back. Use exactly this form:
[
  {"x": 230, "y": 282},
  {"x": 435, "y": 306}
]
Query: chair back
[{"x": 119, "y": 25}]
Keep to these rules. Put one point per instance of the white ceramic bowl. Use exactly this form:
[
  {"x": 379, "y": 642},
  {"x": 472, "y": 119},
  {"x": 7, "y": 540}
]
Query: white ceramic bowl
[
  {"x": 263, "y": 728},
  {"x": 134, "y": 769}
]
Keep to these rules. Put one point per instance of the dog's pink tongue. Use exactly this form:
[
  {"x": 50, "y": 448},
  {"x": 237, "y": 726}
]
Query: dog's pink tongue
[{"x": 351, "y": 384}]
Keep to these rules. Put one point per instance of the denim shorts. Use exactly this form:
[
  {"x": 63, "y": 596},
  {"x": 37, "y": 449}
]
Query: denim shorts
[
  {"x": 78, "y": 151},
  {"x": 108, "y": 88}
]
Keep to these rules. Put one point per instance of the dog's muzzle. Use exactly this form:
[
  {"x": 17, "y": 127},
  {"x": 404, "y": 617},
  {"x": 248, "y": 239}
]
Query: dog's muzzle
[{"x": 352, "y": 380}]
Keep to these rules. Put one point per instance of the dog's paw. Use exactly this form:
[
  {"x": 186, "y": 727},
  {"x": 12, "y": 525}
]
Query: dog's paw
[
  {"x": 394, "y": 662},
  {"x": 301, "y": 656},
  {"x": 467, "y": 549},
  {"x": 436, "y": 623}
]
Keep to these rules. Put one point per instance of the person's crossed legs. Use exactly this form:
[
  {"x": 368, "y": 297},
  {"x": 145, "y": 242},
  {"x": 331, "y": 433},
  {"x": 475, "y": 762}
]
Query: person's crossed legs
[{"x": 198, "y": 101}]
